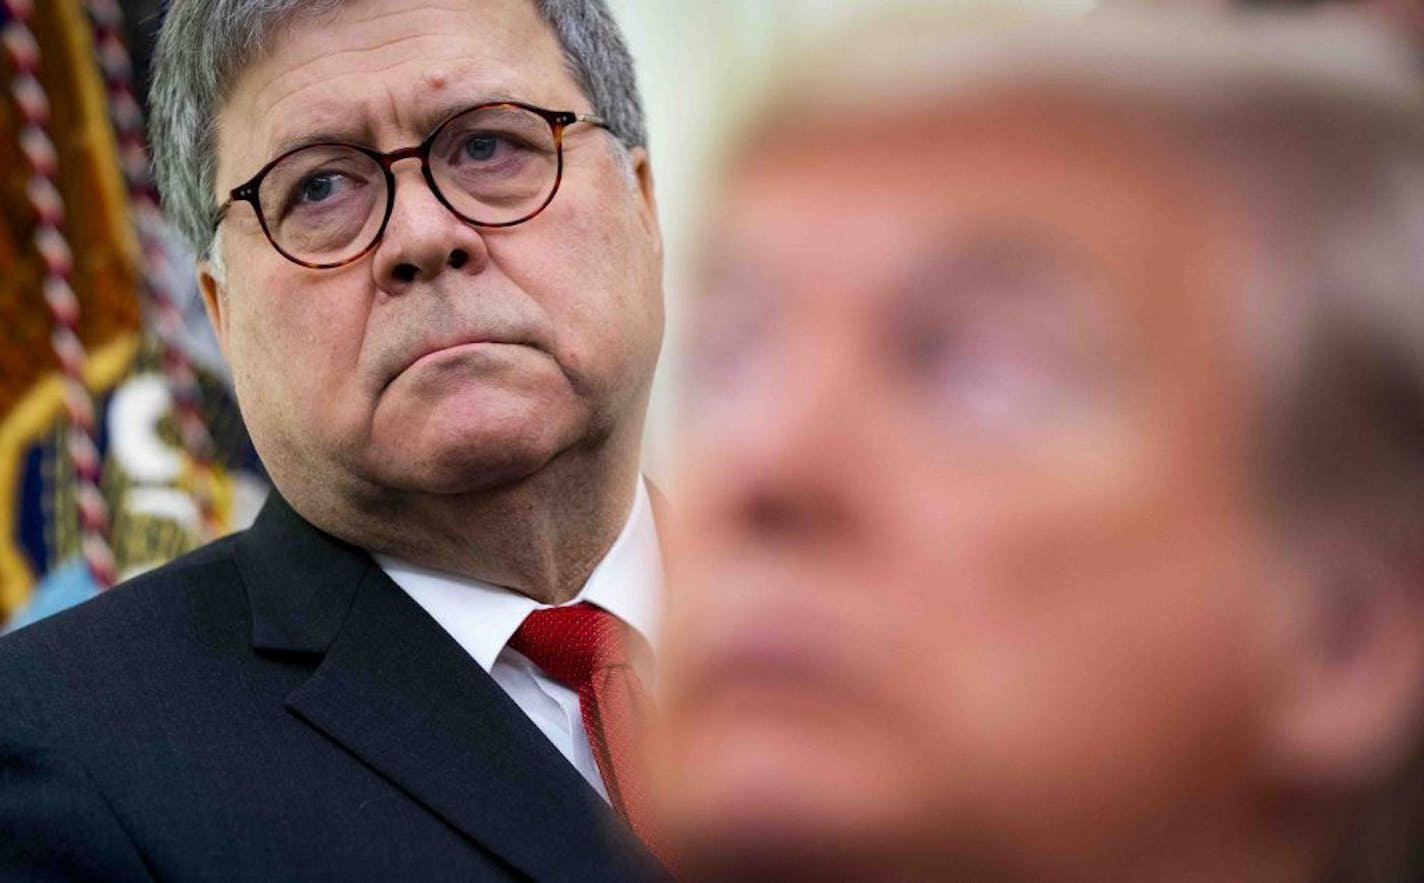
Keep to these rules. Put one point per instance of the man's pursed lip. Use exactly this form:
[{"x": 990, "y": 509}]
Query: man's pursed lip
[{"x": 437, "y": 349}]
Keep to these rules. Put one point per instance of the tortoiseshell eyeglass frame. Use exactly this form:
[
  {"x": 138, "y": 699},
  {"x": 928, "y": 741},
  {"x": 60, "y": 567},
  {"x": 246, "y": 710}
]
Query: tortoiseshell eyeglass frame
[{"x": 558, "y": 120}]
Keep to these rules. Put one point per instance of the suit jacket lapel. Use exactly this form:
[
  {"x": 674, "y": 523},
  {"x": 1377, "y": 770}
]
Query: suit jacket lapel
[{"x": 399, "y": 693}]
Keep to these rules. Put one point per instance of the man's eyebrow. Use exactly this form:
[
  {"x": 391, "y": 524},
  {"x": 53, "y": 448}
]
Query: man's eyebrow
[
  {"x": 438, "y": 114},
  {"x": 288, "y": 143},
  {"x": 427, "y": 121}
]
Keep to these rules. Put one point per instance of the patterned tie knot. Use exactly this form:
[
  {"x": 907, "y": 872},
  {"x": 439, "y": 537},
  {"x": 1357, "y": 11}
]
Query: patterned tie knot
[{"x": 572, "y": 643}]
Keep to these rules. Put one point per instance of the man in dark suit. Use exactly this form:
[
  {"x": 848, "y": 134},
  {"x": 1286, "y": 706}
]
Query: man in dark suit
[{"x": 430, "y": 252}]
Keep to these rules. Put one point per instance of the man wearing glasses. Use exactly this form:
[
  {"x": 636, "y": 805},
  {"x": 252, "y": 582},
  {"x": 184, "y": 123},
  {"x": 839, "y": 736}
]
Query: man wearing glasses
[{"x": 430, "y": 251}]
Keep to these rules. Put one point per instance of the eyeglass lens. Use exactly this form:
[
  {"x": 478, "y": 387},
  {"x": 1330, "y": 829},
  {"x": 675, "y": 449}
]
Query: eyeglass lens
[{"x": 493, "y": 165}]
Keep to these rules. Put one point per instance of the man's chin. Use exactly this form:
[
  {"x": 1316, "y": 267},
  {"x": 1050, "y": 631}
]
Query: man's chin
[
  {"x": 477, "y": 466},
  {"x": 472, "y": 442},
  {"x": 456, "y": 462}
]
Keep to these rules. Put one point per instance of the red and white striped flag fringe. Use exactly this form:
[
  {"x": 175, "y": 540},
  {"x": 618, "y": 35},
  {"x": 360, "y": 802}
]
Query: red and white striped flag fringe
[
  {"x": 159, "y": 275},
  {"x": 23, "y": 54}
]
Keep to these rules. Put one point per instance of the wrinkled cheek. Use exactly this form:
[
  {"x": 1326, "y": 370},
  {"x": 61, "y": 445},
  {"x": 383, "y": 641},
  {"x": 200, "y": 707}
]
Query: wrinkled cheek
[
  {"x": 250, "y": 357},
  {"x": 609, "y": 342},
  {"x": 617, "y": 273},
  {"x": 290, "y": 364}
]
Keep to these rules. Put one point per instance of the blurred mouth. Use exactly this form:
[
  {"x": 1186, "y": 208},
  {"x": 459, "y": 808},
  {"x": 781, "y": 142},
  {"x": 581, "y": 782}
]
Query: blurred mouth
[{"x": 759, "y": 665}]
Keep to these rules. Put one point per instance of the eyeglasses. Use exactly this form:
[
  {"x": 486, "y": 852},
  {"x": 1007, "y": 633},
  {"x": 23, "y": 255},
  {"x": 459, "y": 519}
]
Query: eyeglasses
[{"x": 327, "y": 204}]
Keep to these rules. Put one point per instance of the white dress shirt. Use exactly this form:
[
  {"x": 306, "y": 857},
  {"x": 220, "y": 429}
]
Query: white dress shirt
[{"x": 482, "y": 618}]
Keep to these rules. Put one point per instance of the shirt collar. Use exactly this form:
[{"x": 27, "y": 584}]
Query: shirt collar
[{"x": 482, "y": 617}]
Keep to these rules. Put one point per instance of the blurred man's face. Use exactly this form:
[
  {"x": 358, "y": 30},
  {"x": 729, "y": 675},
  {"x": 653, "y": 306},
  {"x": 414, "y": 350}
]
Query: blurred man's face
[
  {"x": 967, "y": 559},
  {"x": 450, "y": 358}
]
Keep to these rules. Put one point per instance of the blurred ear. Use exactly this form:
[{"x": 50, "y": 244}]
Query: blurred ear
[
  {"x": 1352, "y": 702},
  {"x": 214, "y": 300}
]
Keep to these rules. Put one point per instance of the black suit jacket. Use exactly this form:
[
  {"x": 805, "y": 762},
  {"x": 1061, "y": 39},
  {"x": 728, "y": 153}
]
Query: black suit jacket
[{"x": 272, "y": 707}]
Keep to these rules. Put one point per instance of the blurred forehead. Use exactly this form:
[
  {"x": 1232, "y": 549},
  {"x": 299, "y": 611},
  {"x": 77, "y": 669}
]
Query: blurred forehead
[
  {"x": 378, "y": 71},
  {"x": 1096, "y": 182}
]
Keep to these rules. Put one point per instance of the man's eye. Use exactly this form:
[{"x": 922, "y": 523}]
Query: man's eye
[
  {"x": 320, "y": 187},
  {"x": 482, "y": 148}
]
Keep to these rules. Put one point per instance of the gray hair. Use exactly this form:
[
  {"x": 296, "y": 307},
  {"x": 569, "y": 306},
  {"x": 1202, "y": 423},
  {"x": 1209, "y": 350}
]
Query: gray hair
[{"x": 204, "y": 45}]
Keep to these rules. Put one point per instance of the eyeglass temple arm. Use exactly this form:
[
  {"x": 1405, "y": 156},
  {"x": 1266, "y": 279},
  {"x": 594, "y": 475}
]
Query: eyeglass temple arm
[{"x": 221, "y": 213}]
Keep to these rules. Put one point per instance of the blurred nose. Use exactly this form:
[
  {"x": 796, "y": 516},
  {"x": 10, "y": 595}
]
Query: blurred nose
[
  {"x": 423, "y": 238},
  {"x": 793, "y": 465}
]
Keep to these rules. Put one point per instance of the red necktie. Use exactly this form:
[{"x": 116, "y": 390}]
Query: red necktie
[{"x": 586, "y": 649}]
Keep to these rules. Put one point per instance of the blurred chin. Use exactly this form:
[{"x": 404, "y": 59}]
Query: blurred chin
[
  {"x": 774, "y": 829},
  {"x": 762, "y": 801}
]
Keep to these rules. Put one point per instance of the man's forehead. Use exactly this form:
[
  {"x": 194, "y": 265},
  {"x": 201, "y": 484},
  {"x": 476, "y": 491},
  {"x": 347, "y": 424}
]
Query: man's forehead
[
  {"x": 373, "y": 71},
  {"x": 436, "y": 97}
]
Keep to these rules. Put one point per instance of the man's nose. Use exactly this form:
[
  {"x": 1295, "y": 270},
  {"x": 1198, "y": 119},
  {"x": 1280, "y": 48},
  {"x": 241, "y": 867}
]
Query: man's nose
[{"x": 423, "y": 238}]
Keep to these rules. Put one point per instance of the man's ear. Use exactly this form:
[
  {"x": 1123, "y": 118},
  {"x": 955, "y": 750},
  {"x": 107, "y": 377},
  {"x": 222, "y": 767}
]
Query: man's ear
[
  {"x": 214, "y": 300},
  {"x": 1351, "y": 710},
  {"x": 643, "y": 174}
]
